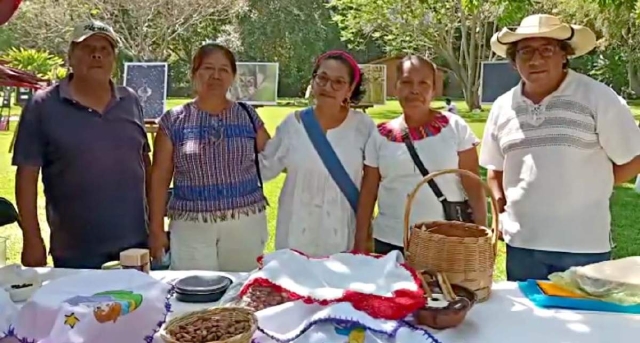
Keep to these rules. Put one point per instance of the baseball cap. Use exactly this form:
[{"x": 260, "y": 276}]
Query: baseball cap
[{"x": 94, "y": 27}]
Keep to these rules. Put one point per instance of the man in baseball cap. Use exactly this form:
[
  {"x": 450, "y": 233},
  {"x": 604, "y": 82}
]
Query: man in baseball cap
[
  {"x": 90, "y": 28},
  {"x": 92, "y": 53},
  {"x": 87, "y": 136}
]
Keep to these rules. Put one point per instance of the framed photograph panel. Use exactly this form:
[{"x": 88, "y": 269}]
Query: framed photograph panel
[
  {"x": 256, "y": 83},
  {"x": 149, "y": 81}
]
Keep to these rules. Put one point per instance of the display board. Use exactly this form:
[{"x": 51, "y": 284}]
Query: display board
[
  {"x": 375, "y": 83},
  {"x": 256, "y": 83},
  {"x": 497, "y": 78},
  {"x": 149, "y": 81}
]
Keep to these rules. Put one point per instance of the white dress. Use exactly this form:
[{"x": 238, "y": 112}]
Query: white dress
[
  {"x": 399, "y": 175},
  {"x": 313, "y": 214}
]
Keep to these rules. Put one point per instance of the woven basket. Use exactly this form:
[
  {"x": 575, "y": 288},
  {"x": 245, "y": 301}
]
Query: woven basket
[
  {"x": 229, "y": 312},
  {"x": 466, "y": 253}
]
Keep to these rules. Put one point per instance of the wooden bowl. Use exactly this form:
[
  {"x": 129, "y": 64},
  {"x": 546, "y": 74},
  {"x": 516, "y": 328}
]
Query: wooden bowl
[{"x": 452, "y": 315}]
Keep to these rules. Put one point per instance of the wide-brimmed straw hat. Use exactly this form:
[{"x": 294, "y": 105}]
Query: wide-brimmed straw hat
[{"x": 581, "y": 38}]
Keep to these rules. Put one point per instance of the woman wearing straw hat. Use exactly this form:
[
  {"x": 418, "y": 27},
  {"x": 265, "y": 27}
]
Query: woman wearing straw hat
[{"x": 554, "y": 146}]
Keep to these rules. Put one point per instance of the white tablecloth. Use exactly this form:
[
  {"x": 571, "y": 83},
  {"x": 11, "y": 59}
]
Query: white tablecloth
[{"x": 506, "y": 317}]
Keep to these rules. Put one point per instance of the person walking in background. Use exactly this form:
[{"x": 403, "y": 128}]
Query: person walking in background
[
  {"x": 88, "y": 138},
  {"x": 554, "y": 147},
  {"x": 441, "y": 140},
  {"x": 450, "y": 106},
  {"x": 322, "y": 150},
  {"x": 308, "y": 94},
  {"x": 209, "y": 147}
]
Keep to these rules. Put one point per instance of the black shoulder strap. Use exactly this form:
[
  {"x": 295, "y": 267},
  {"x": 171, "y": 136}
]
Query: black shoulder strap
[
  {"x": 245, "y": 107},
  {"x": 418, "y": 162}
]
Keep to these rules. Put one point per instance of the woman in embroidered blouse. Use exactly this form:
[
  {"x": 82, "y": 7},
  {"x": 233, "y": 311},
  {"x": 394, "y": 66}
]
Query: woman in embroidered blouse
[
  {"x": 314, "y": 216},
  {"x": 207, "y": 145},
  {"x": 443, "y": 140}
]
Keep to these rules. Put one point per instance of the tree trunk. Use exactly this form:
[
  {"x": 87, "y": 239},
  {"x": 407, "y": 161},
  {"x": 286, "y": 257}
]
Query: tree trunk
[
  {"x": 471, "y": 97},
  {"x": 633, "y": 73},
  {"x": 471, "y": 93}
]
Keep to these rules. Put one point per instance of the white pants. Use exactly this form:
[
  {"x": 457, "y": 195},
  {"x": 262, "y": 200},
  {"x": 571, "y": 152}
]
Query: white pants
[{"x": 230, "y": 246}]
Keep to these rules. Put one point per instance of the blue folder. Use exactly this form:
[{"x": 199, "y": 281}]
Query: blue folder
[{"x": 531, "y": 290}]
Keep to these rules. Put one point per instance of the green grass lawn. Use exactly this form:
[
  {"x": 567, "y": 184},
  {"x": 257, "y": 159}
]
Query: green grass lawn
[{"x": 624, "y": 203}]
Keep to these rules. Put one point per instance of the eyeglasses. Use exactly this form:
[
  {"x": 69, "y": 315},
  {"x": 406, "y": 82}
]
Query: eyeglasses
[
  {"x": 545, "y": 51},
  {"x": 337, "y": 85}
]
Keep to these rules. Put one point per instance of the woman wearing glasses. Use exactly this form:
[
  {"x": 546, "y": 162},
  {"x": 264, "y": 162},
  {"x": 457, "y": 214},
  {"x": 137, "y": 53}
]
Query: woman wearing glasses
[
  {"x": 314, "y": 214},
  {"x": 209, "y": 147}
]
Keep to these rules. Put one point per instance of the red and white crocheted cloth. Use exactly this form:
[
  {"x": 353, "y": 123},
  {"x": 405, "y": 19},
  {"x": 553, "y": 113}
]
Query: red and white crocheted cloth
[{"x": 380, "y": 286}]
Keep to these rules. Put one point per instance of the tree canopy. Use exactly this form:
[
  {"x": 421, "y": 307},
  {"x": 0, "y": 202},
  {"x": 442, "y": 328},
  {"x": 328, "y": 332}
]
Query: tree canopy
[{"x": 454, "y": 33}]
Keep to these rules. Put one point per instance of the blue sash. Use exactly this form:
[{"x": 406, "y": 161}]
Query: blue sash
[{"x": 329, "y": 157}]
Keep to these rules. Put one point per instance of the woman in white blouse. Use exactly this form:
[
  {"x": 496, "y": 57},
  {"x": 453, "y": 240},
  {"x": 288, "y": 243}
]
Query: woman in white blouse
[
  {"x": 314, "y": 215},
  {"x": 442, "y": 140}
]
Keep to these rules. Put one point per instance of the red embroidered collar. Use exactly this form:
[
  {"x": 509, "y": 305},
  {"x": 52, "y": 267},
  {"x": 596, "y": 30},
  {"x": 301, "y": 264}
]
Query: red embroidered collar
[{"x": 392, "y": 130}]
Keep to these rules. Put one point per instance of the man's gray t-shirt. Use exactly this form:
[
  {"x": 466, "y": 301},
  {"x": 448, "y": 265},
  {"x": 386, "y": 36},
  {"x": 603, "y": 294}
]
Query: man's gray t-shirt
[{"x": 92, "y": 169}]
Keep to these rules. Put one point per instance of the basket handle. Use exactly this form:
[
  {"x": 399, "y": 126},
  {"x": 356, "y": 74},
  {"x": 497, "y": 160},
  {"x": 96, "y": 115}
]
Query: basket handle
[{"x": 431, "y": 176}]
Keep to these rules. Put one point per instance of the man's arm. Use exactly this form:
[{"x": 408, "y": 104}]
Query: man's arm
[
  {"x": 618, "y": 134},
  {"x": 468, "y": 160},
  {"x": 27, "y": 202},
  {"x": 28, "y": 157},
  {"x": 494, "y": 180},
  {"x": 492, "y": 159},
  {"x": 627, "y": 171},
  {"x": 146, "y": 148}
]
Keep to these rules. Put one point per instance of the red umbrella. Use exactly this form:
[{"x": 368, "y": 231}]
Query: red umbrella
[
  {"x": 7, "y": 9},
  {"x": 12, "y": 77}
]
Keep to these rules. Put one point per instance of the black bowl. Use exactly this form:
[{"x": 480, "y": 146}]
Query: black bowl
[
  {"x": 202, "y": 289},
  {"x": 8, "y": 213}
]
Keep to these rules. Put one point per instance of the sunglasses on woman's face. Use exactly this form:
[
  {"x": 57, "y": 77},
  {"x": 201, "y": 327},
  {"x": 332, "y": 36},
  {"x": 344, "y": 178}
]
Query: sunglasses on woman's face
[{"x": 336, "y": 84}]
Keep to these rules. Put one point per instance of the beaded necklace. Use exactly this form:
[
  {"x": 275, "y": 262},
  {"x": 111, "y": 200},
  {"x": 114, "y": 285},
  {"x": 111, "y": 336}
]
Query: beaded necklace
[{"x": 394, "y": 132}]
